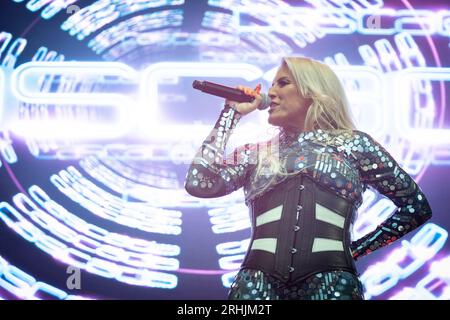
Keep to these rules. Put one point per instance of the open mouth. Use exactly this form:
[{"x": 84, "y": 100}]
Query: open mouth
[{"x": 273, "y": 107}]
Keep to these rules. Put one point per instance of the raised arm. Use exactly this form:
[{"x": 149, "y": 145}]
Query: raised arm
[
  {"x": 379, "y": 170},
  {"x": 211, "y": 176}
]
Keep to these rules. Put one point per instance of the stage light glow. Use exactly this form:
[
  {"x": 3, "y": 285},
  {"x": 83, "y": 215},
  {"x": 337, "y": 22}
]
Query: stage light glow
[
  {"x": 424, "y": 20},
  {"x": 434, "y": 286},
  {"x": 330, "y": 20},
  {"x": 229, "y": 219},
  {"x": 3, "y": 93},
  {"x": 371, "y": 213},
  {"x": 403, "y": 81},
  {"x": 404, "y": 261},
  {"x": 233, "y": 254},
  {"x": 56, "y": 6},
  {"x": 5, "y": 39},
  {"x": 363, "y": 83},
  {"x": 112, "y": 182},
  {"x": 235, "y": 247},
  {"x": 74, "y": 232},
  {"x": 160, "y": 72},
  {"x": 14, "y": 51},
  {"x": 304, "y": 23},
  {"x": 147, "y": 216},
  {"x": 444, "y": 16},
  {"x": 132, "y": 28},
  {"x": 365, "y": 92},
  {"x": 231, "y": 262},
  {"x": 370, "y": 22},
  {"x": 24, "y": 88},
  {"x": 94, "y": 17}
]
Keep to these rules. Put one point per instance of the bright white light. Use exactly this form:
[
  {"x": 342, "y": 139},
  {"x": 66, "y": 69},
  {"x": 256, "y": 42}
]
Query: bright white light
[
  {"x": 155, "y": 74},
  {"x": 2, "y": 94},
  {"x": 25, "y": 87},
  {"x": 402, "y": 81},
  {"x": 425, "y": 244},
  {"x": 424, "y": 20}
]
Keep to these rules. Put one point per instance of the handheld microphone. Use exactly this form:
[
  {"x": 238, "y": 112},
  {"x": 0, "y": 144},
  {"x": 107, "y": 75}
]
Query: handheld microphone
[{"x": 229, "y": 93}]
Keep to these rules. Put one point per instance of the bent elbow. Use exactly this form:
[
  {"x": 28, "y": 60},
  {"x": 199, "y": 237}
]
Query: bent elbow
[
  {"x": 199, "y": 192},
  {"x": 191, "y": 189},
  {"x": 196, "y": 191},
  {"x": 201, "y": 183}
]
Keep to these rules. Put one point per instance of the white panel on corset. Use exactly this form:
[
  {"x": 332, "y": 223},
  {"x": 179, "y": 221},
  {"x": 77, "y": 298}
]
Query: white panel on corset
[
  {"x": 323, "y": 244},
  {"x": 269, "y": 216},
  {"x": 265, "y": 244},
  {"x": 326, "y": 215}
]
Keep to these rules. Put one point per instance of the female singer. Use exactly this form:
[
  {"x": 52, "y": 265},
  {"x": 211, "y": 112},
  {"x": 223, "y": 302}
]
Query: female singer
[{"x": 303, "y": 193}]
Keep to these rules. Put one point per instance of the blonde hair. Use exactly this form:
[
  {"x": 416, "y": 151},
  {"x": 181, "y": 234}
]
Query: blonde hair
[{"x": 329, "y": 110}]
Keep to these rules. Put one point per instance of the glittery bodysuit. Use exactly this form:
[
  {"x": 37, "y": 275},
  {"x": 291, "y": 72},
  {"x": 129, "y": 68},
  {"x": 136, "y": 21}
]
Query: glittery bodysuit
[{"x": 300, "y": 246}]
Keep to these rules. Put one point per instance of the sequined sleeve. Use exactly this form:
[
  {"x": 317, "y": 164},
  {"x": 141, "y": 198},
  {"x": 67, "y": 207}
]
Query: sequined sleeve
[
  {"x": 211, "y": 176},
  {"x": 379, "y": 170}
]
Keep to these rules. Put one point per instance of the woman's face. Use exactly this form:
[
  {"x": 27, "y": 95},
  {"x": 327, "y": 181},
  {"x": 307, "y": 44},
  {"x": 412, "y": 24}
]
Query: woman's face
[{"x": 288, "y": 107}]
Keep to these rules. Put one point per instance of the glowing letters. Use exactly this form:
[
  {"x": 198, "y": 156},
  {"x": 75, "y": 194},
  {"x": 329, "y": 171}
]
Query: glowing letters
[
  {"x": 404, "y": 82},
  {"x": 404, "y": 261},
  {"x": 2, "y": 93},
  {"x": 343, "y": 21},
  {"x": 172, "y": 71},
  {"x": 31, "y": 83},
  {"x": 69, "y": 75}
]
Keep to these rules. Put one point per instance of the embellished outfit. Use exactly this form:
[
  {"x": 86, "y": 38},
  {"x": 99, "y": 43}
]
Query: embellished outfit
[{"x": 301, "y": 220}]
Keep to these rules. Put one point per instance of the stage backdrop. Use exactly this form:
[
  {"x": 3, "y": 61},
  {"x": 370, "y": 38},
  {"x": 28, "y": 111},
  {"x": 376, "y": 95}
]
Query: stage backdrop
[{"x": 99, "y": 122}]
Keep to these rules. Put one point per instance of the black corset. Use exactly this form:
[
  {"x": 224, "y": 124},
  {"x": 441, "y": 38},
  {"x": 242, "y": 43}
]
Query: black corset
[{"x": 312, "y": 230}]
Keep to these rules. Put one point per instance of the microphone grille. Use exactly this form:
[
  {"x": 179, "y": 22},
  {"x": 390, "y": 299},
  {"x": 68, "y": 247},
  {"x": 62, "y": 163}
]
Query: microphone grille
[
  {"x": 265, "y": 102},
  {"x": 197, "y": 84}
]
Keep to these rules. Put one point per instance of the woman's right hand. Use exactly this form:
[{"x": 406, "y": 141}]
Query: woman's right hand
[{"x": 247, "y": 107}]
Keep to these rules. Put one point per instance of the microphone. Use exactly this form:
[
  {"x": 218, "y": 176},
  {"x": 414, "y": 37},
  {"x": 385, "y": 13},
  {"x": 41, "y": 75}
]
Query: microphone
[{"x": 229, "y": 93}]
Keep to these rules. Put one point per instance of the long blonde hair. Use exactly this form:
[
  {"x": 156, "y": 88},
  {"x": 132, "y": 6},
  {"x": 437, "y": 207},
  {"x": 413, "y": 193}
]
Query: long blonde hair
[{"x": 329, "y": 110}]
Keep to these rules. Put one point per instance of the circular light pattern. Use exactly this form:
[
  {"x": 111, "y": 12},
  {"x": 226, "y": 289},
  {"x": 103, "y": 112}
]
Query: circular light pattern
[{"x": 114, "y": 208}]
